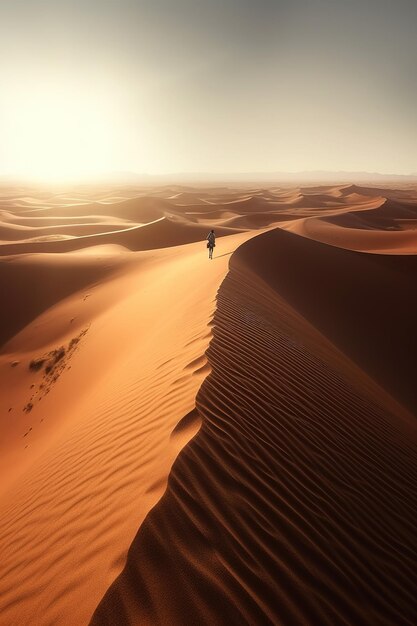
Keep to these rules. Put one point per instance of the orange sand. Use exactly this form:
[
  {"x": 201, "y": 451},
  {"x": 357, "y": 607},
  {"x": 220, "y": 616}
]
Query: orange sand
[{"x": 295, "y": 500}]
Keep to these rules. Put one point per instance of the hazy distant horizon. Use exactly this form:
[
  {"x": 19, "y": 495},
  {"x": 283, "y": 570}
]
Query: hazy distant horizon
[{"x": 183, "y": 178}]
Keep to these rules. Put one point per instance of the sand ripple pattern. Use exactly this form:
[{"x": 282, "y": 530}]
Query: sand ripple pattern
[{"x": 295, "y": 503}]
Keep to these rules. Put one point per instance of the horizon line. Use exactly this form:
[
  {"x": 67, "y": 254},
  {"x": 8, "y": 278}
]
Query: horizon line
[{"x": 251, "y": 176}]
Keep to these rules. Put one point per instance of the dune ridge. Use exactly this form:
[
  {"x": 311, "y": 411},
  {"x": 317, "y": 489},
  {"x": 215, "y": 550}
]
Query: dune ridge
[
  {"x": 295, "y": 502},
  {"x": 89, "y": 458}
]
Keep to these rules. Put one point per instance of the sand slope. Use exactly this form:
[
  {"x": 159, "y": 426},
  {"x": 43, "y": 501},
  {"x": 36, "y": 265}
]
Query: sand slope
[
  {"x": 294, "y": 504},
  {"x": 92, "y": 456}
]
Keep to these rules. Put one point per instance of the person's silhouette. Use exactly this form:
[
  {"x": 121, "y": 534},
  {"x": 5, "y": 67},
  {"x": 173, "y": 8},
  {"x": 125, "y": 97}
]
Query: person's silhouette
[{"x": 211, "y": 242}]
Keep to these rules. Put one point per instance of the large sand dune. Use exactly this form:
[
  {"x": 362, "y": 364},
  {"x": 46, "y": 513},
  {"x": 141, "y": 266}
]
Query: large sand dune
[
  {"x": 173, "y": 457},
  {"x": 295, "y": 501}
]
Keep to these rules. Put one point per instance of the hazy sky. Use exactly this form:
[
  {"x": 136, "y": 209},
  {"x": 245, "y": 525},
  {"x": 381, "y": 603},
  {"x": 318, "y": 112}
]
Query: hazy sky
[{"x": 162, "y": 86}]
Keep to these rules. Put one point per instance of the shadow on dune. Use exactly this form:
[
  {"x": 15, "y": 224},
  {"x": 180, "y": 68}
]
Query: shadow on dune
[
  {"x": 365, "y": 304},
  {"x": 32, "y": 284},
  {"x": 219, "y": 256},
  {"x": 294, "y": 504}
]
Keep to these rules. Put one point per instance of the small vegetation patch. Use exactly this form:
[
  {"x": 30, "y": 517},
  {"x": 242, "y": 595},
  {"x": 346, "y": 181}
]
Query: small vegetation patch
[
  {"x": 52, "y": 365},
  {"x": 37, "y": 364}
]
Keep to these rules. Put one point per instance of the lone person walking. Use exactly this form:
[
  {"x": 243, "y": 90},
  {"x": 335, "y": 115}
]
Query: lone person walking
[{"x": 211, "y": 242}]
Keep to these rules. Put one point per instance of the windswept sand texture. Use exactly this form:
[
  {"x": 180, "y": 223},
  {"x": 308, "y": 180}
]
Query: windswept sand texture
[{"x": 195, "y": 442}]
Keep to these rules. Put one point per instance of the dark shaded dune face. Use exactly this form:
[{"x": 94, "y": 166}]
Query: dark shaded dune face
[
  {"x": 319, "y": 189},
  {"x": 246, "y": 205},
  {"x": 295, "y": 502},
  {"x": 390, "y": 215},
  {"x": 345, "y": 190},
  {"x": 317, "y": 201},
  {"x": 365, "y": 304},
  {"x": 257, "y": 220},
  {"x": 395, "y": 209},
  {"x": 321, "y": 199},
  {"x": 386, "y": 192},
  {"x": 352, "y": 220},
  {"x": 30, "y": 285},
  {"x": 339, "y": 194}
]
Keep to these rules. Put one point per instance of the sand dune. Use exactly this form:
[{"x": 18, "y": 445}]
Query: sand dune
[
  {"x": 105, "y": 431},
  {"x": 364, "y": 304},
  {"x": 32, "y": 284},
  {"x": 387, "y": 215},
  {"x": 370, "y": 239},
  {"x": 57, "y": 220},
  {"x": 15, "y": 232},
  {"x": 295, "y": 501},
  {"x": 142, "y": 209},
  {"x": 164, "y": 466}
]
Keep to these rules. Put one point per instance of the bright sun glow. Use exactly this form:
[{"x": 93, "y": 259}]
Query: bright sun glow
[{"x": 57, "y": 132}]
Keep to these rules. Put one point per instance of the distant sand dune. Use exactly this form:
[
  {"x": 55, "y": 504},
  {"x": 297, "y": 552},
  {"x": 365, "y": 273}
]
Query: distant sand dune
[
  {"x": 370, "y": 239},
  {"x": 141, "y": 209},
  {"x": 159, "y": 234},
  {"x": 15, "y": 232}
]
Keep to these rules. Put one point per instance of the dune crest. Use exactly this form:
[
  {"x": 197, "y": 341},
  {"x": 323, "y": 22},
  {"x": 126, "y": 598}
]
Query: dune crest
[
  {"x": 94, "y": 447},
  {"x": 294, "y": 503}
]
